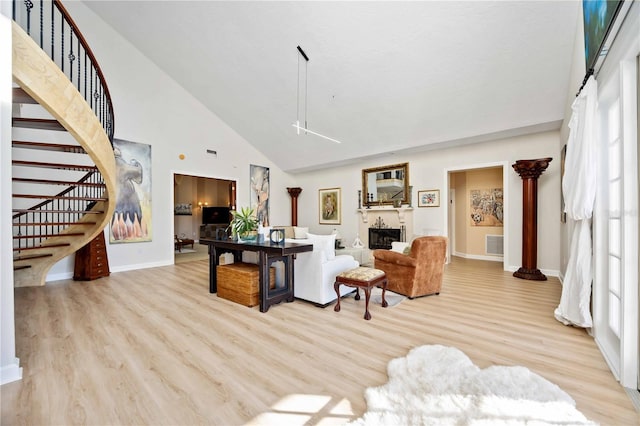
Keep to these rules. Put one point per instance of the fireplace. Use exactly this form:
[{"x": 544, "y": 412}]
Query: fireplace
[{"x": 381, "y": 238}]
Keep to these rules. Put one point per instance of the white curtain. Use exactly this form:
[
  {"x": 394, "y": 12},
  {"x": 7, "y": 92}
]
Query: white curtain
[{"x": 579, "y": 190}]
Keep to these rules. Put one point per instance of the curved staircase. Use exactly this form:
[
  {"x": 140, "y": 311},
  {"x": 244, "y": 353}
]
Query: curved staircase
[{"x": 63, "y": 192}]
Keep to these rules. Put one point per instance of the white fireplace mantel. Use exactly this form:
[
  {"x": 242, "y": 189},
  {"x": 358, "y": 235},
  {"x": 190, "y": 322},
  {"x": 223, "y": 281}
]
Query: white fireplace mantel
[{"x": 400, "y": 210}]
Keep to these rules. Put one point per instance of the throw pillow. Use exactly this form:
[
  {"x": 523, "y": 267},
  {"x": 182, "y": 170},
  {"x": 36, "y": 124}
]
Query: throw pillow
[
  {"x": 325, "y": 244},
  {"x": 407, "y": 250},
  {"x": 300, "y": 232},
  {"x": 399, "y": 246}
]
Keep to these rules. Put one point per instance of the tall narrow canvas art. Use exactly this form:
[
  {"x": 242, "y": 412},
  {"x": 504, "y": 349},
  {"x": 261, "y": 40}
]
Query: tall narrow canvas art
[
  {"x": 260, "y": 193},
  {"x": 131, "y": 221}
]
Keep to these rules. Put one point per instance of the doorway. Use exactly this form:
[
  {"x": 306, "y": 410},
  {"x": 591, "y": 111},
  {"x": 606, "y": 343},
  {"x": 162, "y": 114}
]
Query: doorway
[
  {"x": 475, "y": 216},
  {"x": 193, "y": 196}
]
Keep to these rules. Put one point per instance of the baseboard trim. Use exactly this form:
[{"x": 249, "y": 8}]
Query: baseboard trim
[
  {"x": 11, "y": 373},
  {"x": 142, "y": 266},
  {"x": 59, "y": 277},
  {"x": 69, "y": 275},
  {"x": 634, "y": 396},
  {"x": 479, "y": 257}
]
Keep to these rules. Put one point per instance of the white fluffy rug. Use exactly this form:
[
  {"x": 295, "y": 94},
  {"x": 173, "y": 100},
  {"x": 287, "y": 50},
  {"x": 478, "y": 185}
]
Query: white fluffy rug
[{"x": 439, "y": 385}]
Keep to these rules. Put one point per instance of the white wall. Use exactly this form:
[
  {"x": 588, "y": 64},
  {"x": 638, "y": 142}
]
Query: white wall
[
  {"x": 427, "y": 170},
  {"x": 9, "y": 365},
  {"x": 152, "y": 108}
]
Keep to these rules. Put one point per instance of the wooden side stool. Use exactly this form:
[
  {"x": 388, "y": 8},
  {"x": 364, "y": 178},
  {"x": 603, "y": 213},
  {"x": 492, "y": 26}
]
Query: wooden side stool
[{"x": 361, "y": 278}]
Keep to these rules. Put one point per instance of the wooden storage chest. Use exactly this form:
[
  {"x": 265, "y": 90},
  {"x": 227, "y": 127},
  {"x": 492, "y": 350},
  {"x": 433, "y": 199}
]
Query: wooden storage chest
[{"x": 239, "y": 282}]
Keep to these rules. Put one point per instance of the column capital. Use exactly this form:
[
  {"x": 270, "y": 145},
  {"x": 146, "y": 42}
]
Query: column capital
[
  {"x": 294, "y": 192},
  {"x": 531, "y": 169}
]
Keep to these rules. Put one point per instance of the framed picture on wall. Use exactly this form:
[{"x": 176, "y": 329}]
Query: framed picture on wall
[
  {"x": 132, "y": 221},
  {"x": 183, "y": 209},
  {"x": 330, "y": 206},
  {"x": 260, "y": 188},
  {"x": 429, "y": 198},
  {"x": 486, "y": 206}
]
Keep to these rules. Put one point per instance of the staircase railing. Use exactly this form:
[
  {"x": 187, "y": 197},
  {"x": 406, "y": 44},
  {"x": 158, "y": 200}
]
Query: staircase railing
[
  {"x": 57, "y": 213},
  {"x": 51, "y": 26},
  {"x": 54, "y": 67}
]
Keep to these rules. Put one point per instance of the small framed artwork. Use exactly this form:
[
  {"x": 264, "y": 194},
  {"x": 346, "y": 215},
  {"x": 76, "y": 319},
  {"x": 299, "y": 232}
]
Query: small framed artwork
[
  {"x": 183, "y": 209},
  {"x": 330, "y": 206},
  {"x": 429, "y": 198}
]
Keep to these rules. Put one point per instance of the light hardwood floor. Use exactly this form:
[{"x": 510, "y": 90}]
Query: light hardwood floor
[{"x": 154, "y": 347}]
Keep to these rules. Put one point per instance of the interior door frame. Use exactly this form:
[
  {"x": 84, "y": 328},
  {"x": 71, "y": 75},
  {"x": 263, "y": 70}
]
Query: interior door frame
[
  {"x": 197, "y": 175},
  {"x": 506, "y": 258},
  {"x": 452, "y": 223}
]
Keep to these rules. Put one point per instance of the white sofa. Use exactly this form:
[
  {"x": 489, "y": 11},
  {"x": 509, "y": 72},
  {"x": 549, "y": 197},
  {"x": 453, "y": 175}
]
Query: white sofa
[{"x": 315, "y": 272}]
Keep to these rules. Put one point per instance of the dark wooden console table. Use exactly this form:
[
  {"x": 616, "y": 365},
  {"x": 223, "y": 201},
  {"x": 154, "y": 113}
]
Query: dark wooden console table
[{"x": 267, "y": 254}]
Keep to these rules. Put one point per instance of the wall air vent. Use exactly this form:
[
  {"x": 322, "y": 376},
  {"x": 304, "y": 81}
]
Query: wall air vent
[{"x": 494, "y": 244}]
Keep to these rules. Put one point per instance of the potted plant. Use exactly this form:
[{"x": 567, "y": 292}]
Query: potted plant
[{"x": 243, "y": 223}]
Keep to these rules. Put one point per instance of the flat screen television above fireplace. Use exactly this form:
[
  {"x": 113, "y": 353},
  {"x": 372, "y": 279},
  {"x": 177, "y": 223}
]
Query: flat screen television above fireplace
[{"x": 215, "y": 215}]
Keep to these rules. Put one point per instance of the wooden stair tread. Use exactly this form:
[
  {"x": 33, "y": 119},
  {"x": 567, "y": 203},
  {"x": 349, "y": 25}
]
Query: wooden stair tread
[
  {"x": 41, "y": 247},
  {"x": 24, "y": 237},
  {"x": 31, "y": 256},
  {"x": 59, "y": 182},
  {"x": 22, "y": 97},
  {"x": 59, "y": 197},
  {"x": 76, "y": 149},
  {"x": 77, "y": 167},
  {"x": 56, "y": 211},
  {"x": 52, "y": 223},
  {"x": 37, "y": 123}
]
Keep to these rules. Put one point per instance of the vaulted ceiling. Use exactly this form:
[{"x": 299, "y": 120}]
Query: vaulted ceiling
[{"x": 382, "y": 76}]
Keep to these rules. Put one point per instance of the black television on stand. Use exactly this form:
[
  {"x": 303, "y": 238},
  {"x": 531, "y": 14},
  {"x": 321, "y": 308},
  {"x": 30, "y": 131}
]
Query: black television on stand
[
  {"x": 216, "y": 216},
  {"x": 215, "y": 221}
]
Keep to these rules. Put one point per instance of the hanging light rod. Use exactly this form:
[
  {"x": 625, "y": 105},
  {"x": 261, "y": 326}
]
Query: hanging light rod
[
  {"x": 304, "y": 55},
  {"x": 304, "y": 129},
  {"x": 297, "y": 123}
]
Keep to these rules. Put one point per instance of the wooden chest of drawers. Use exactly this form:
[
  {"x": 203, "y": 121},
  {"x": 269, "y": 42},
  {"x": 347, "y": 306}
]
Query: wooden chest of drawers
[{"x": 91, "y": 260}]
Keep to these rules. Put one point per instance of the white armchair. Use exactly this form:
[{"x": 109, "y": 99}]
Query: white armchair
[{"x": 315, "y": 272}]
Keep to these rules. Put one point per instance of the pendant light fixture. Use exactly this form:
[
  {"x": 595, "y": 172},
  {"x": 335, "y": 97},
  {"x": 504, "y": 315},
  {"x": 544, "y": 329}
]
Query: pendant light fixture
[{"x": 297, "y": 125}]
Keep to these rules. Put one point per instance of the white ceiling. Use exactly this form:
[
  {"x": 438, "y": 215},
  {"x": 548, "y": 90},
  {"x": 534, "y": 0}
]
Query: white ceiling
[{"x": 382, "y": 77}]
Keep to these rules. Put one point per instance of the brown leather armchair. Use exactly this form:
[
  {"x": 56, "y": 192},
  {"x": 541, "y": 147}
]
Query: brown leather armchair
[{"x": 418, "y": 273}]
